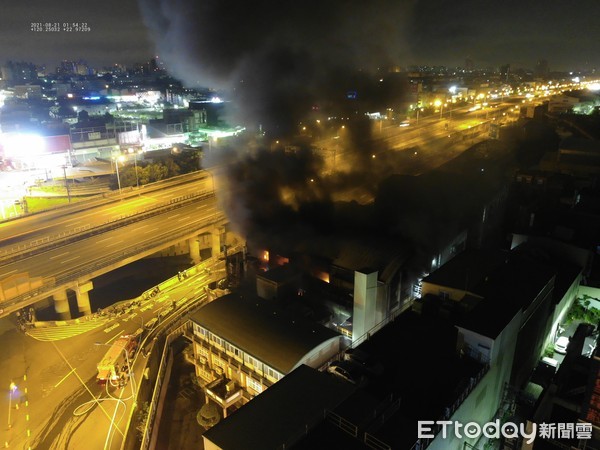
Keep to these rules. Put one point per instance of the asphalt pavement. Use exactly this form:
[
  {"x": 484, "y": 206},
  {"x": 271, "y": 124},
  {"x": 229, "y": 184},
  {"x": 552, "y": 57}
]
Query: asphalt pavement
[{"x": 55, "y": 378}]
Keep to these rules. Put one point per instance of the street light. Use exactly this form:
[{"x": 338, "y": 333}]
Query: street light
[
  {"x": 12, "y": 388},
  {"x": 117, "y": 159},
  {"x": 439, "y": 104},
  {"x": 135, "y": 153},
  {"x": 64, "y": 167}
]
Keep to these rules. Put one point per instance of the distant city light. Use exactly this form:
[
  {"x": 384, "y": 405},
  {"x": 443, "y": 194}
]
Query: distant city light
[
  {"x": 594, "y": 86},
  {"x": 452, "y": 89},
  {"x": 216, "y": 100}
]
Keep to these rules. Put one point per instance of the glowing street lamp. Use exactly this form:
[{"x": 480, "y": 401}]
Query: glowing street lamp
[{"x": 438, "y": 104}]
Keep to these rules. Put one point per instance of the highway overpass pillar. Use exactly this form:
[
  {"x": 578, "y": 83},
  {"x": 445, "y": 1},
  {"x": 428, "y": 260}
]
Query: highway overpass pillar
[
  {"x": 61, "y": 305},
  {"x": 215, "y": 235},
  {"x": 83, "y": 298},
  {"x": 194, "y": 249}
]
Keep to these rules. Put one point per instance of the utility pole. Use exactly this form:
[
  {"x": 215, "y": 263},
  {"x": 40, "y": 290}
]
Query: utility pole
[{"x": 66, "y": 182}]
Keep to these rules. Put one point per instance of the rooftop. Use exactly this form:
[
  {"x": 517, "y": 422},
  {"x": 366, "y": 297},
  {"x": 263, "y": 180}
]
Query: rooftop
[
  {"x": 510, "y": 288},
  {"x": 261, "y": 329},
  {"x": 283, "y": 413},
  {"x": 467, "y": 270},
  {"x": 414, "y": 351}
]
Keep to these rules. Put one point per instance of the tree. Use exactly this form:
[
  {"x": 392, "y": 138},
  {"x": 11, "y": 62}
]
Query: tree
[
  {"x": 172, "y": 168},
  {"x": 155, "y": 172},
  {"x": 83, "y": 116},
  {"x": 188, "y": 160},
  {"x": 149, "y": 173},
  {"x": 127, "y": 175}
]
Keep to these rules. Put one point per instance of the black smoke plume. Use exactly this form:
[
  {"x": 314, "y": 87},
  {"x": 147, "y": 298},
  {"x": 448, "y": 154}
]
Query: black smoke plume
[
  {"x": 281, "y": 62},
  {"x": 277, "y": 59}
]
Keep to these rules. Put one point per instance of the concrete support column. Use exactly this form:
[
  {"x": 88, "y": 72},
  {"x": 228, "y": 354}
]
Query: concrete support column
[
  {"x": 61, "y": 305},
  {"x": 194, "y": 249},
  {"x": 83, "y": 298},
  {"x": 215, "y": 236}
]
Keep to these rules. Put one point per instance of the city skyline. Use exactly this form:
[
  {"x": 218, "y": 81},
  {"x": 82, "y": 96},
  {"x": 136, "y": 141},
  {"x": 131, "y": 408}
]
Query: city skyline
[{"x": 407, "y": 34}]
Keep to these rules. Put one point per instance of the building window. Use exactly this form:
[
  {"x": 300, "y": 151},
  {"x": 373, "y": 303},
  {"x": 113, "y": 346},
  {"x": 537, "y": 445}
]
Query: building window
[
  {"x": 249, "y": 360},
  {"x": 272, "y": 373},
  {"x": 204, "y": 374},
  {"x": 217, "y": 340},
  {"x": 418, "y": 289},
  {"x": 234, "y": 350},
  {"x": 254, "y": 385},
  {"x": 202, "y": 351},
  {"x": 218, "y": 362},
  {"x": 238, "y": 353},
  {"x": 200, "y": 331}
]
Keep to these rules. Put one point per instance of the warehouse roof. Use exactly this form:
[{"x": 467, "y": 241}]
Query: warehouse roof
[{"x": 261, "y": 329}]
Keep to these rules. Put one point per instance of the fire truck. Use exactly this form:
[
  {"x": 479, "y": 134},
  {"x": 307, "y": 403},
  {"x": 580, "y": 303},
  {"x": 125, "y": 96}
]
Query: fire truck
[{"x": 115, "y": 365}]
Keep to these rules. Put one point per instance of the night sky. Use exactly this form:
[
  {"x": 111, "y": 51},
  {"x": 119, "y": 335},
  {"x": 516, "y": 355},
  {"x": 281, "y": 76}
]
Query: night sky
[
  {"x": 434, "y": 32},
  {"x": 117, "y": 34}
]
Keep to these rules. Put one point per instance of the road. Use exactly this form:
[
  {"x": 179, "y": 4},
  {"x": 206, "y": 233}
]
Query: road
[
  {"x": 432, "y": 135},
  {"x": 94, "y": 255},
  {"x": 55, "y": 375},
  {"x": 410, "y": 149},
  {"x": 98, "y": 211}
]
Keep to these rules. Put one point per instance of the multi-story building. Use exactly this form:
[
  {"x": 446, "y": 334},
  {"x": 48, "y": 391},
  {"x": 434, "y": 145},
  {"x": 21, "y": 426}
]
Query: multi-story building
[
  {"x": 454, "y": 361},
  {"x": 510, "y": 287},
  {"x": 242, "y": 346}
]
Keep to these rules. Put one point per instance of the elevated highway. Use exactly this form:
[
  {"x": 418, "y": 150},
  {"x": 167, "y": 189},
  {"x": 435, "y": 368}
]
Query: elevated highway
[
  {"x": 69, "y": 263},
  {"x": 34, "y": 230}
]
